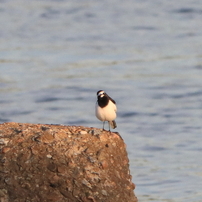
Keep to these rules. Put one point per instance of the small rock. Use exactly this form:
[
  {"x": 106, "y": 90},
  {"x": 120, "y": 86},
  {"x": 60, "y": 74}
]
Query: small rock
[
  {"x": 5, "y": 149},
  {"x": 46, "y": 138},
  {"x": 49, "y": 156},
  {"x": 114, "y": 144},
  {"x": 61, "y": 169},
  {"x": 104, "y": 164},
  {"x": 85, "y": 182},
  {"x": 4, "y": 141},
  {"x": 52, "y": 167},
  {"x": 83, "y": 132},
  {"x": 104, "y": 192}
]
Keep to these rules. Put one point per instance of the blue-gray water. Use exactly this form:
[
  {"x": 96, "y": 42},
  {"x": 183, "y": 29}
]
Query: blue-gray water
[{"x": 147, "y": 55}]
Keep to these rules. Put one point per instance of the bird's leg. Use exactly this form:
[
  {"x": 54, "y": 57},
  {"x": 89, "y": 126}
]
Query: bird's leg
[
  {"x": 103, "y": 125},
  {"x": 109, "y": 126}
]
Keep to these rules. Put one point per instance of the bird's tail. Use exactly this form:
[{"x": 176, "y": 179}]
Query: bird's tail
[{"x": 113, "y": 124}]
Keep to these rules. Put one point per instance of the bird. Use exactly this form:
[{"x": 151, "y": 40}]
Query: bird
[{"x": 105, "y": 109}]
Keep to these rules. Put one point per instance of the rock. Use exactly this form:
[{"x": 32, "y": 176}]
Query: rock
[{"x": 55, "y": 163}]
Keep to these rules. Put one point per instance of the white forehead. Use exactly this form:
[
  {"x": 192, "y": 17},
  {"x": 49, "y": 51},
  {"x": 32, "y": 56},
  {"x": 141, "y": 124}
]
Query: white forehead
[{"x": 101, "y": 93}]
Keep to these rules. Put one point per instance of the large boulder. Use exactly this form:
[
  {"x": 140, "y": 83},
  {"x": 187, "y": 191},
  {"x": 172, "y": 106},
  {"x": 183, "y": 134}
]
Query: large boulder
[{"x": 55, "y": 163}]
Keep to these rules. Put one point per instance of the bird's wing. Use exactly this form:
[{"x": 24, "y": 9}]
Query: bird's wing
[
  {"x": 112, "y": 100},
  {"x": 114, "y": 103},
  {"x": 115, "y": 108}
]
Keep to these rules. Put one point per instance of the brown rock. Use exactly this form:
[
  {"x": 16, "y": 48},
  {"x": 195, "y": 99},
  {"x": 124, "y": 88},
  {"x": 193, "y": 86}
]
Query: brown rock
[{"x": 63, "y": 164}]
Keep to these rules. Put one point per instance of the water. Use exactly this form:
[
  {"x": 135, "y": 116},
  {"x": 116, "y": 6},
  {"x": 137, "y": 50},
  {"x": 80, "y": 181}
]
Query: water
[{"x": 147, "y": 55}]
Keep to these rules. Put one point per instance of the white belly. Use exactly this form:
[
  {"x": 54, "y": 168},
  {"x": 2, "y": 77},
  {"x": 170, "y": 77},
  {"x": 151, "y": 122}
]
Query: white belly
[{"x": 107, "y": 113}]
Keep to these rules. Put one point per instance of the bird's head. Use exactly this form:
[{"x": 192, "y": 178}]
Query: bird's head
[{"x": 100, "y": 93}]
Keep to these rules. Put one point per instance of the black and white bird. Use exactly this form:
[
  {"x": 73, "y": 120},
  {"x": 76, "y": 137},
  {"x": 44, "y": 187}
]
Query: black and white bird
[{"x": 105, "y": 109}]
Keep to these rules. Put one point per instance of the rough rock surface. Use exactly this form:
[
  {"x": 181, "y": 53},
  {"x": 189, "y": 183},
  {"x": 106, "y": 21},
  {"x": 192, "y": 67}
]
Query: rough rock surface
[{"x": 55, "y": 163}]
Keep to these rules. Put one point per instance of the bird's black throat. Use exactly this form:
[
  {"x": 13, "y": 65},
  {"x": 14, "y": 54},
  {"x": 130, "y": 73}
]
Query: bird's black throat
[{"x": 103, "y": 101}]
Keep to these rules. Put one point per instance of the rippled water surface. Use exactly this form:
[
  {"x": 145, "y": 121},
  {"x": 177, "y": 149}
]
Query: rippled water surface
[{"x": 147, "y": 55}]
